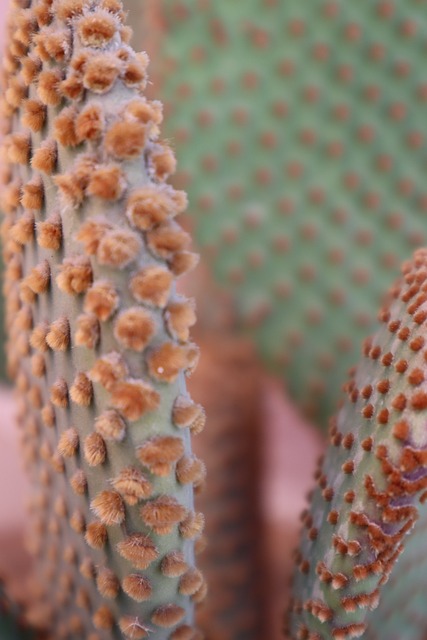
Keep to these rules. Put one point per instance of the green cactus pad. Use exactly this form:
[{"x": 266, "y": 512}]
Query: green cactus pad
[
  {"x": 299, "y": 130},
  {"x": 98, "y": 337},
  {"x": 368, "y": 507}
]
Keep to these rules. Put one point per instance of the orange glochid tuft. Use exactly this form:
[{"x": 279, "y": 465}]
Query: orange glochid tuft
[
  {"x": 96, "y": 29},
  {"x": 133, "y": 628},
  {"x": 125, "y": 140},
  {"x": 109, "y": 369},
  {"x": 174, "y": 565},
  {"x": 100, "y": 72},
  {"x": 134, "y": 328},
  {"x": 108, "y": 506},
  {"x": 118, "y": 248},
  {"x": 110, "y": 425},
  {"x": 87, "y": 331},
  {"x": 90, "y": 123},
  {"x": 137, "y": 587},
  {"x": 91, "y": 232},
  {"x": 190, "y": 582},
  {"x": 139, "y": 550},
  {"x": 188, "y": 414},
  {"x": 34, "y": 115},
  {"x": 160, "y": 453},
  {"x": 68, "y": 443},
  {"x": 190, "y": 470},
  {"x": 152, "y": 285},
  {"x": 108, "y": 584},
  {"x": 64, "y": 130},
  {"x": 102, "y": 300},
  {"x": 107, "y": 182},
  {"x": 48, "y": 87},
  {"x": 95, "y": 451},
  {"x": 59, "y": 394},
  {"x": 168, "y": 615},
  {"x": 152, "y": 205},
  {"x": 33, "y": 194},
  {"x": 134, "y": 398},
  {"x": 132, "y": 485},
  {"x": 96, "y": 535},
  {"x": 81, "y": 391},
  {"x": 103, "y": 618},
  {"x": 58, "y": 335},
  {"x": 78, "y": 482},
  {"x": 75, "y": 275},
  {"x": 163, "y": 162},
  {"x": 49, "y": 232},
  {"x": 166, "y": 362},
  {"x": 192, "y": 526},
  {"x": 162, "y": 514},
  {"x": 180, "y": 315}
]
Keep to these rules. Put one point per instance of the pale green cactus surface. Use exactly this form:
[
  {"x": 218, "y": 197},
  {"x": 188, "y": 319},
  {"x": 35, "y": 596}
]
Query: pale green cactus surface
[
  {"x": 299, "y": 130},
  {"x": 361, "y": 564},
  {"x": 98, "y": 338}
]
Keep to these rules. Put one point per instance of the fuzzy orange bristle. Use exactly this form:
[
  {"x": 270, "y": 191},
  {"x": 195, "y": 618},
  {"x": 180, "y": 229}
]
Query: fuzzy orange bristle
[
  {"x": 48, "y": 87},
  {"x": 139, "y": 550},
  {"x": 167, "y": 239},
  {"x": 152, "y": 285},
  {"x": 44, "y": 158},
  {"x": 135, "y": 73},
  {"x": 145, "y": 111},
  {"x": 18, "y": 148},
  {"x": 107, "y": 182},
  {"x": 167, "y": 361},
  {"x": 87, "y": 331},
  {"x": 75, "y": 275},
  {"x": 180, "y": 316},
  {"x": 160, "y": 453},
  {"x": 23, "y": 230},
  {"x": 58, "y": 336},
  {"x": 101, "y": 71},
  {"x": 134, "y": 328},
  {"x": 68, "y": 443},
  {"x": 125, "y": 140},
  {"x": 38, "y": 365},
  {"x": 134, "y": 398},
  {"x": 149, "y": 206},
  {"x": 34, "y": 115},
  {"x": 183, "y": 261},
  {"x": 97, "y": 29},
  {"x": 81, "y": 391},
  {"x": 33, "y": 194},
  {"x": 109, "y": 369},
  {"x": 108, "y": 584},
  {"x": 163, "y": 514},
  {"x": 174, "y": 565},
  {"x": 72, "y": 87},
  {"x": 137, "y": 587},
  {"x": 118, "y": 248},
  {"x": 163, "y": 162},
  {"x": 190, "y": 469},
  {"x": 168, "y": 615},
  {"x": 95, "y": 450},
  {"x": 110, "y": 425},
  {"x": 108, "y": 506},
  {"x": 132, "y": 485},
  {"x": 39, "y": 278},
  {"x": 30, "y": 67},
  {"x": 190, "y": 582},
  {"x": 48, "y": 415},
  {"x": 64, "y": 130},
  {"x": 101, "y": 300},
  {"x": 70, "y": 188},
  {"x": 67, "y": 9},
  {"x": 90, "y": 123},
  {"x": 103, "y": 618},
  {"x": 49, "y": 233},
  {"x": 91, "y": 233},
  {"x": 38, "y": 336},
  {"x": 77, "y": 521},
  {"x": 192, "y": 526},
  {"x": 133, "y": 628},
  {"x": 78, "y": 482},
  {"x": 96, "y": 535}
]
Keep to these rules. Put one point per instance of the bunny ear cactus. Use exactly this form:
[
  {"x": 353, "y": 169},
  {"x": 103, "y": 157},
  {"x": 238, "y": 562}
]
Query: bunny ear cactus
[
  {"x": 299, "y": 130},
  {"x": 368, "y": 507},
  {"x": 98, "y": 337}
]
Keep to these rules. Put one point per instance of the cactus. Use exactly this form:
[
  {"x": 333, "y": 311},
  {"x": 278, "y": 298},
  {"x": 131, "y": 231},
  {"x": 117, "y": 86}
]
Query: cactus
[
  {"x": 368, "y": 508},
  {"x": 11, "y": 625},
  {"x": 98, "y": 337},
  {"x": 299, "y": 134}
]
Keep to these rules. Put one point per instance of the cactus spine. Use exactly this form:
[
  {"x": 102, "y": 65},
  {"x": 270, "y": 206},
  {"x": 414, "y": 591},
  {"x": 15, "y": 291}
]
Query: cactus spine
[
  {"x": 98, "y": 337},
  {"x": 299, "y": 132},
  {"x": 372, "y": 488}
]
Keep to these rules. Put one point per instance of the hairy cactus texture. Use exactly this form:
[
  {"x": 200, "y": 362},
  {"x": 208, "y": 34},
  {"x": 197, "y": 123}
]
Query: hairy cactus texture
[
  {"x": 368, "y": 509},
  {"x": 233, "y": 562},
  {"x": 98, "y": 337},
  {"x": 299, "y": 130}
]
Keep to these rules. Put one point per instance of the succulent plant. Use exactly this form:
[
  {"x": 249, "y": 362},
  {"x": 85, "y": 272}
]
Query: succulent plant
[
  {"x": 299, "y": 134},
  {"x": 368, "y": 511},
  {"x": 98, "y": 337},
  {"x": 11, "y": 624}
]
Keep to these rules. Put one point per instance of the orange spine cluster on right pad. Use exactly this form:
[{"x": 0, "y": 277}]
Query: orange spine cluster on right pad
[
  {"x": 372, "y": 484},
  {"x": 98, "y": 337}
]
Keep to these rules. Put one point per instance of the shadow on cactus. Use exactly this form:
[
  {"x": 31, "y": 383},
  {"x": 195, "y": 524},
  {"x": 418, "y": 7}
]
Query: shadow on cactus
[
  {"x": 299, "y": 129},
  {"x": 98, "y": 338}
]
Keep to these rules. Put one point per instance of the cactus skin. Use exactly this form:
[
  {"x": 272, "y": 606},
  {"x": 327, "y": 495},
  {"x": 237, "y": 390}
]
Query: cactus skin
[
  {"x": 299, "y": 134},
  {"x": 98, "y": 338},
  {"x": 11, "y": 625},
  {"x": 372, "y": 488}
]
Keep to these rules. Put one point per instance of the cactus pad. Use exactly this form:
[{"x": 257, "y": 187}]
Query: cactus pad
[
  {"x": 368, "y": 509},
  {"x": 299, "y": 129},
  {"x": 98, "y": 337}
]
